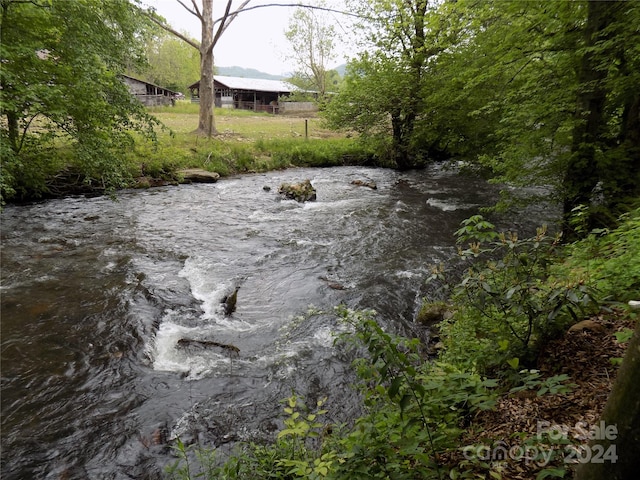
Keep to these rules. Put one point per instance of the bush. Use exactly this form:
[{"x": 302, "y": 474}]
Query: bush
[
  {"x": 608, "y": 260},
  {"x": 509, "y": 304},
  {"x": 413, "y": 408}
]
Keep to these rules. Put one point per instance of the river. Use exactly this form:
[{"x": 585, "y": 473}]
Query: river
[{"x": 97, "y": 295}]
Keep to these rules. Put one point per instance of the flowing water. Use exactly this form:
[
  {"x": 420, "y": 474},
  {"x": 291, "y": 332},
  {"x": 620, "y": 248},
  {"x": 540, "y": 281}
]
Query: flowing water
[{"x": 107, "y": 308}]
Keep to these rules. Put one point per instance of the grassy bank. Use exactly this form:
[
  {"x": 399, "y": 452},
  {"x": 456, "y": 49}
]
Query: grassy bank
[{"x": 246, "y": 142}]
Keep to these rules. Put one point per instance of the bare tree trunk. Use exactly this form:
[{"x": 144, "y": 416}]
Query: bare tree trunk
[
  {"x": 621, "y": 419},
  {"x": 206, "y": 122}
]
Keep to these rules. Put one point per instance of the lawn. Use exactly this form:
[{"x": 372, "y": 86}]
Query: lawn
[
  {"x": 246, "y": 141},
  {"x": 183, "y": 119}
]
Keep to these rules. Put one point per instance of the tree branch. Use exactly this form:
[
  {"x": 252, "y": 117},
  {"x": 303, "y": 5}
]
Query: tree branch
[
  {"x": 171, "y": 30},
  {"x": 227, "y": 19},
  {"x": 300, "y": 5},
  {"x": 195, "y": 7},
  {"x": 188, "y": 9}
]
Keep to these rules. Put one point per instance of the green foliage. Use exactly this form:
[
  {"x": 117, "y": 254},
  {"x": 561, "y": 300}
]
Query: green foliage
[
  {"x": 299, "y": 451},
  {"x": 382, "y": 94},
  {"x": 476, "y": 228},
  {"x": 608, "y": 260},
  {"x": 507, "y": 297},
  {"x": 532, "y": 380},
  {"x": 301, "y": 429},
  {"x": 193, "y": 462},
  {"x": 413, "y": 408},
  {"x": 61, "y": 90},
  {"x": 535, "y": 94},
  {"x": 172, "y": 63}
]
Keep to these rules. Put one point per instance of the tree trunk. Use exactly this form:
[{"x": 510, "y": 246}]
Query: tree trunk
[
  {"x": 621, "y": 421},
  {"x": 206, "y": 120},
  {"x": 12, "y": 127},
  {"x": 582, "y": 174},
  {"x": 402, "y": 126}
]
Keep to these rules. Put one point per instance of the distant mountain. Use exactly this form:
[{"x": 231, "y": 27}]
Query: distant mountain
[
  {"x": 341, "y": 69},
  {"x": 247, "y": 73},
  {"x": 253, "y": 73}
]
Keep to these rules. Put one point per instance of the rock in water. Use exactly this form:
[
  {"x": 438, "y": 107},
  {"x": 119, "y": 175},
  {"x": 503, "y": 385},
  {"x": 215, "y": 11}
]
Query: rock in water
[
  {"x": 198, "y": 175},
  {"x": 229, "y": 302},
  {"x": 372, "y": 185},
  {"x": 301, "y": 192},
  {"x": 186, "y": 343}
]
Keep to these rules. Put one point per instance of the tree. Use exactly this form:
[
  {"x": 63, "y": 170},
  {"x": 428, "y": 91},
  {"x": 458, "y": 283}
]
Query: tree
[
  {"x": 172, "y": 63},
  {"x": 605, "y": 148},
  {"x": 383, "y": 90},
  {"x": 559, "y": 79},
  {"x": 204, "y": 13},
  {"x": 620, "y": 439},
  {"x": 60, "y": 86},
  {"x": 312, "y": 38},
  {"x": 540, "y": 94}
]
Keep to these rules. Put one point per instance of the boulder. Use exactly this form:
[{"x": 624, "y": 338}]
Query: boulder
[
  {"x": 198, "y": 175},
  {"x": 589, "y": 325},
  {"x": 229, "y": 302},
  {"x": 432, "y": 313},
  {"x": 300, "y": 192},
  {"x": 361, "y": 183}
]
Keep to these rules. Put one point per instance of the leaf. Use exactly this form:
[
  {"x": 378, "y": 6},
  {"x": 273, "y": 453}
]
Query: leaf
[
  {"x": 405, "y": 401},
  {"x": 395, "y": 387},
  {"x": 551, "y": 472},
  {"x": 511, "y": 291}
]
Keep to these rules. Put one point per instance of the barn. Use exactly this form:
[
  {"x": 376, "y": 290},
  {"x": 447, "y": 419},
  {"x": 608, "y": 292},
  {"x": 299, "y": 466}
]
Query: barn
[
  {"x": 149, "y": 94},
  {"x": 255, "y": 94}
]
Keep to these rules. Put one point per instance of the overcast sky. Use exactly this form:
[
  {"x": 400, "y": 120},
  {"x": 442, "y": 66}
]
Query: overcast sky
[{"x": 255, "y": 39}]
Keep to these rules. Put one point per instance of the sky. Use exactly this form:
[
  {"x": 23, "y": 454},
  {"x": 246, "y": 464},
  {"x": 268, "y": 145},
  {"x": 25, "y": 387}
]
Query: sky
[{"x": 255, "y": 39}]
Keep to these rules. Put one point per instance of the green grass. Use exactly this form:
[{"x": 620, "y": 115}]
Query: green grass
[{"x": 246, "y": 142}]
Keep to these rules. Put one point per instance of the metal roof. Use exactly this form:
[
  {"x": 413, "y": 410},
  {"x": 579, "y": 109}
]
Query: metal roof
[
  {"x": 147, "y": 83},
  {"x": 253, "y": 84}
]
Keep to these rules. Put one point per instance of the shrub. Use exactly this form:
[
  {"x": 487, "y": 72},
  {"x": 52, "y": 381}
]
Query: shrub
[
  {"x": 413, "y": 408},
  {"x": 609, "y": 260},
  {"x": 508, "y": 302}
]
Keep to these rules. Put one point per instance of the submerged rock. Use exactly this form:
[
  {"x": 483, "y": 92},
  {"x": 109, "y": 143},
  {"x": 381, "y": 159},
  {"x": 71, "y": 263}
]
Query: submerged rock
[
  {"x": 300, "y": 192},
  {"x": 361, "y": 183},
  {"x": 188, "y": 342}
]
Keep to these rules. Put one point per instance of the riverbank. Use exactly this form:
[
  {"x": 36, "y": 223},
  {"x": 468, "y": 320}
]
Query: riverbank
[
  {"x": 492, "y": 403},
  {"x": 247, "y": 142},
  {"x": 528, "y": 433}
]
